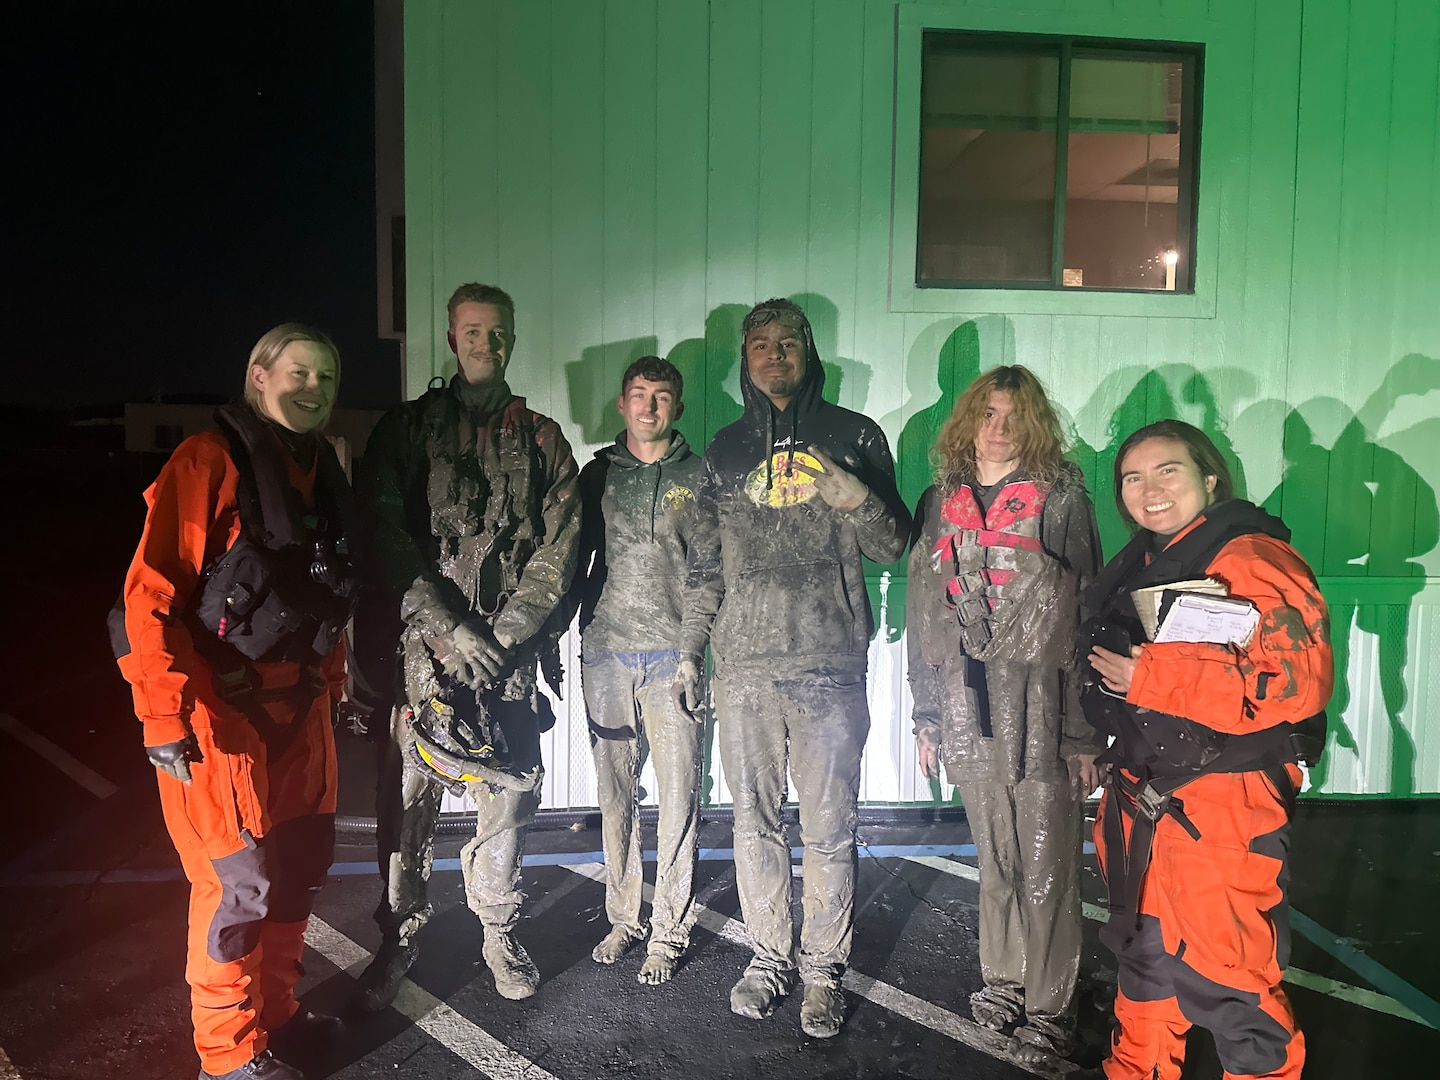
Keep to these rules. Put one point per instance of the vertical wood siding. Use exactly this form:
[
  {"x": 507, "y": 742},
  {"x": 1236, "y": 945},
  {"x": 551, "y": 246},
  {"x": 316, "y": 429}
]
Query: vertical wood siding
[{"x": 639, "y": 172}]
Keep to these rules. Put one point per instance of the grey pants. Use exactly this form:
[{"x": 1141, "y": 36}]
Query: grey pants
[
  {"x": 1027, "y": 836},
  {"x": 627, "y": 696},
  {"x": 816, "y": 722},
  {"x": 407, "y": 807}
]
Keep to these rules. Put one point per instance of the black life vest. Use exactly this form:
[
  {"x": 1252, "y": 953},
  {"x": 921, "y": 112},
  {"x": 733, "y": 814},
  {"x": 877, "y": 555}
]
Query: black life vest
[
  {"x": 283, "y": 591},
  {"x": 1158, "y": 744}
]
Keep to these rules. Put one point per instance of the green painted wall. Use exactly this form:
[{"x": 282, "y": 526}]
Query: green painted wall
[{"x": 638, "y": 172}]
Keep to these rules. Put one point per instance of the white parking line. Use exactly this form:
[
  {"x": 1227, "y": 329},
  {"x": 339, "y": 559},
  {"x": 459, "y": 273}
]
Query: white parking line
[
  {"x": 78, "y": 771},
  {"x": 461, "y": 1036},
  {"x": 1355, "y": 995}
]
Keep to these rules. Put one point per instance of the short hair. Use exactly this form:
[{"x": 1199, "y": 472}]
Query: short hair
[
  {"x": 768, "y": 311},
  {"x": 654, "y": 369},
  {"x": 1202, "y": 451},
  {"x": 475, "y": 293},
  {"x": 1039, "y": 443},
  {"x": 274, "y": 342}
]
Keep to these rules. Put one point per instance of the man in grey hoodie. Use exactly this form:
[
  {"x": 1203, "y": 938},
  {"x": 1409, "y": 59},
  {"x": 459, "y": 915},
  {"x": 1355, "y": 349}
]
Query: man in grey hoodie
[
  {"x": 795, "y": 492},
  {"x": 639, "y": 501}
]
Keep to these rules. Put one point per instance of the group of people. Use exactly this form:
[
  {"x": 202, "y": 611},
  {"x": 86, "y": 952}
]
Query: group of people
[{"x": 472, "y": 540}]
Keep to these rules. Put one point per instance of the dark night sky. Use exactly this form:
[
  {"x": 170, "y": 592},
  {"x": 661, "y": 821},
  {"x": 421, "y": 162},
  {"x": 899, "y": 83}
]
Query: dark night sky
[{"x": 179, "y": 184}]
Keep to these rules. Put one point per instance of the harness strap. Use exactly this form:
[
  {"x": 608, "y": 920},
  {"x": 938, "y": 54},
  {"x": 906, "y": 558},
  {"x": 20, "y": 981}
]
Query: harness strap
[
  {"x": 241, "y": 689},
  {"x": 1146, "y": 800}
]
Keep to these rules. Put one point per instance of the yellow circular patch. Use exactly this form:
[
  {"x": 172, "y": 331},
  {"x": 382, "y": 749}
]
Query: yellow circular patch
[
  {"x": 792, "y": 480},
  {"x": 677, "y": 500}
]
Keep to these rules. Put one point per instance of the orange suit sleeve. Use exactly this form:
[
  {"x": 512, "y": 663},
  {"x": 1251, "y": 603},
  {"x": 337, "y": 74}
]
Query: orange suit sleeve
[
  {"x": 192, "y": 516},
  {"x": 1283, "y": 675}
]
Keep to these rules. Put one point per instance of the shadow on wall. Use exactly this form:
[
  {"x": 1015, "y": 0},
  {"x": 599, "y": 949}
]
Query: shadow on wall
[
  {"x": 708, "y": 365},
  {"x": 594, "y": 383},
  {"x": 847, "y": 381},
  {"x": 1359, "y": 509}
]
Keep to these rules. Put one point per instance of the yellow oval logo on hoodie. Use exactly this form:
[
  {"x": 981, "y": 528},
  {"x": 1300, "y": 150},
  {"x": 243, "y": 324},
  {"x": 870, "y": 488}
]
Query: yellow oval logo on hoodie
[{"x": 791, "y": 480}]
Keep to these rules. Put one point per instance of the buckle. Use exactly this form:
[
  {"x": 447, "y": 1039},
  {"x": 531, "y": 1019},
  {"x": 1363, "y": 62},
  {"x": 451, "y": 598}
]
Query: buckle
[
  {"x": 233, "y": 684},
  {"x": 1151, "y": 803}
]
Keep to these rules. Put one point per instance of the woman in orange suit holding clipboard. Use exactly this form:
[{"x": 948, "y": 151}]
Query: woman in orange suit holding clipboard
[{"x": 1193, "y": 830}]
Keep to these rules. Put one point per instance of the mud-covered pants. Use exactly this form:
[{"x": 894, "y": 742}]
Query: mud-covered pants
[
  {"x": 1027, "y": 839},
  {"x": 255, "y": 830},
  {"x": 627, "y": 696},
  {"x": 817, "y": 722},
  {"x": 407, "y": 807},
  {"x": 1213, "y": 937}
]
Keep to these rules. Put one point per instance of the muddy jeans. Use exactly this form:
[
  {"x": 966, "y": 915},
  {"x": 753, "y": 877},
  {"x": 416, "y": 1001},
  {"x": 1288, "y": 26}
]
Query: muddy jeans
[
  {"x": 1027, "y": 837},
  {"x": 817, "y": 722},
  {"x": 627, "y": 696},
  {"x": 408, "y": 806}
]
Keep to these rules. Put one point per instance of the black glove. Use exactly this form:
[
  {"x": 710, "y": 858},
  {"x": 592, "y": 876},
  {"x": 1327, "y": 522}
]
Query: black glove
[{"x": 174, "y": 758}]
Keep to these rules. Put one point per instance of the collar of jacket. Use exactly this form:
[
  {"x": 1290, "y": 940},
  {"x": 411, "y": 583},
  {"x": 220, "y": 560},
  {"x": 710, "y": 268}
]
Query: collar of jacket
[
  {"x": 619, "y": 455},
  {"x": 481, "y": 401}
]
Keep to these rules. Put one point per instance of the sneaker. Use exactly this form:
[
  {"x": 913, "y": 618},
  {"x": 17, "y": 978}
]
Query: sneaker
[
  {"x": 996, "y": 1008},
  {"x": 516, "y": 976},
  {"x": 306, "y": 1033},
  {"x": 822, "y": 1011},
  {"x": 380, "y": 982},
  {"x": 616, "y": 944},
  {"x": 263, "y": 1066},
  {"x": 759, "y": 991}
]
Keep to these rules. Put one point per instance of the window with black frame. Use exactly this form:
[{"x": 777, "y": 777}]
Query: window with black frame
[{"x": 1057, "y": 163}]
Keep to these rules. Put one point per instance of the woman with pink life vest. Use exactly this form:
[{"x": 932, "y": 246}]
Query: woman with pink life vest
[{"x": 1006, "y": 540}]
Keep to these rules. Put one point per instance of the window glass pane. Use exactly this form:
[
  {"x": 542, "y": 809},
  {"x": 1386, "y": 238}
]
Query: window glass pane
[
  {"x": 987, "y": 162},
  {"x": 1123, "y": 173}
]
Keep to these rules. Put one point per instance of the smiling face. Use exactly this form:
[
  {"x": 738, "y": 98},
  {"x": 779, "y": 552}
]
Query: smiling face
[
  {"x": 1162, "y": 487},
  {"x": 650, "y": 410},
  {"x": 481, "y": 336},
  {"x": 996, "y": 450},
  {"x": 298, "y": 390},
  {"x": 775, "y": 359}
]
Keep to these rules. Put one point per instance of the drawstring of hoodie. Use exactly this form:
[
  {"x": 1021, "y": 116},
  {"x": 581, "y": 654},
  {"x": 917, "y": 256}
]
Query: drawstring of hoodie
[
  {"x": 770, "y": 444},
  {"x": 654, "y": 501}
]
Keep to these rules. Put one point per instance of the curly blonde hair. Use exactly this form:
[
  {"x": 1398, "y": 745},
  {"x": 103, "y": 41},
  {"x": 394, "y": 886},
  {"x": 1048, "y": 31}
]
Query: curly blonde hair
[{"x": 1034, "y": 424}]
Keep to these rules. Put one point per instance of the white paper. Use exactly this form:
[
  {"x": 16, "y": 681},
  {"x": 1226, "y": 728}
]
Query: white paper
[{"x": 1196, "y": 617}]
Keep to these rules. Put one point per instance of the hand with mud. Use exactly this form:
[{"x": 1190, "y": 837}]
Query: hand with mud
[
  {"x": 927, "y": 744},
  {"x": 1085, "y": 775},
  {"x": 686, "y": 690},
  {"x": 842, "y": 490},
  {"x": 174, "y": 758},
  {"x": 477, "y": 655}
]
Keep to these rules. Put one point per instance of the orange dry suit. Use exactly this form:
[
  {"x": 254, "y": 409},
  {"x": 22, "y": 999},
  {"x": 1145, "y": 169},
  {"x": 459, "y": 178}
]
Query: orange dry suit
[
  {"x": 236, "y": 525},
  {"x": 1193, "y": 831}
]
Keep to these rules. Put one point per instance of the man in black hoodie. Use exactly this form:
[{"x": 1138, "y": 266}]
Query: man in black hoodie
[
  {"x": 795, "y": 492},
  {"x": 639, "y": 499}
]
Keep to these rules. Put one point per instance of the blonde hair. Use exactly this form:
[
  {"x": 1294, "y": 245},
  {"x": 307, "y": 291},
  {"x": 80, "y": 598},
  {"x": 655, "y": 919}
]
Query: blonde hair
[
  {"x": 274, "y": 342},
  {"x": 1033, "y": 424}
]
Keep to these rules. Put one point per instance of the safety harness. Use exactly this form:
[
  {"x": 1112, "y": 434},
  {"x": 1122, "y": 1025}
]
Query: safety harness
[
  {"x": 1161, "y": 751},
  {"x": 283, "y": 591}
]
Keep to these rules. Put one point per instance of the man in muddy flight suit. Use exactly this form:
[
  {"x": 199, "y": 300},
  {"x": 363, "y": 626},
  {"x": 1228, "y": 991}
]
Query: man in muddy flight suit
[
  {"x": 794, "y": 493},
  {"x": 476, "y": 511}
]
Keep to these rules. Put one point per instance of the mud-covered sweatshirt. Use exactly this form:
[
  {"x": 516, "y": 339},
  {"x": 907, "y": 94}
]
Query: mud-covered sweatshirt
[
  {"x": 776, "y": 572},
  {"x": 638, "y": 519}
]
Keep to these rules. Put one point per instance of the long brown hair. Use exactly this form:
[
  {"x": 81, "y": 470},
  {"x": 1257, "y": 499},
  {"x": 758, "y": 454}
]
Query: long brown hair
[{"x": 1034, "y": 424}]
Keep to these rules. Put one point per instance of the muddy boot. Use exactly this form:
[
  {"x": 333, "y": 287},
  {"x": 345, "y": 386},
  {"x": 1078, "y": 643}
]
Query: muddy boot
[
  {"x": 306, "y": 1033},
  {"x": 516, "y": 976},
  {"x": 1042, "y": 1040},
  {"x": 380, "y": 982},
  {"x": 263, "y": 1066},
  {"x": 759, "y": 991},
  {"x": 996, "y": 1008},
  {"x": 616, "y": 944},
  {"x": 822, "y": 1011}
]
